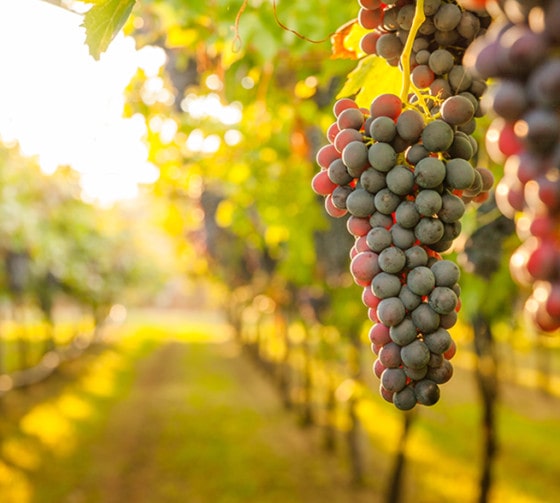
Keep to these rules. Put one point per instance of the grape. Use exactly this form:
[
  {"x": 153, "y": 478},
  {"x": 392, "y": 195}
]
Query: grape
[
  {"x": 446, "y": 273},
  {"x": 457, "y": 110},
  {"x": 322, "y": 184},
  {"x": 360, "y": 203},
  {"x": 421, "y": 280},
  {"x": 389, "y": 46},
  {"x": 452, "y": 209},
  {"x": 429, "y": 230},
  {"x": 448, "y": 320},
  {"x": 422, "y": 76},
  {"x": 338, "y": 173},
  {"x": 416, "y": 374},
  {"x": 542, "y": 130},
  {"x": 410, "y": 124},
  {"x": 400, "y": 179},
  {"x": 437, "y": 342},
  {"x": 387, "y": 105},
  {"x": 382, "y": 156},
  {"x": 447, "y": 17},
  {"x": 331, "y": 209},
  {"x": 370, "y": 18},
  {"x": 393, "y": 379},
  {"x": 380, "y": 220},
  {"x": 343, "y": 104},
  {"x": 429, "y": 173},
  {"x": 390, "y": 353},
  {"x": 345, "y": 136},
  {"x": 469, "y": 25},
  {"x": 425, "y": 318},
  {"x": 409, "y": 299},
  {"x": 379, "y": 334},
  {"x": 406, "y": 214},
  {"x": 437, "y": 136},
  {"x": 350, "y": 118},
  {"x": 441, "y": 88},
  {"x": 459, "y": 79},
  {"x": 416, "y": 256},
  {"x": 461, "y": 147},
  {"x": 428, "y": 202},
  {"x": 378, "y": 238},
  {"x": 403, "y": 333},
  {"x": 385, "y": 285},
  {"x": 372, "y": 180},
  {"x": 405, "y": 399},
  {"x": 405, "y": 17},
  {"x": 402, "y": 238},
  {"x": 358, "y": 226},
  {"x": 364, "y": 267},
  {"x": 441, "y": 61},
  {"x": 441, "y": 374},
  {"x": 422, "y": 57},
  {"x": 508, "y": 100},
  {"x": 370, "y": 4},
  {"x": 383, "y": 129},
  {"x": 431, "y": 7},
  {"x": 355, "y": 157},
  {"x": 427, "y": 392},
  {"x": 392, "y": 260},
  {"x": 415, "y": 355},
  {"x": 416, "y": 153},
  {"x": 386, "y": 201},
  {"x": 544, "y": 84},
  {"x": 340, "y": 195},
  {"x": 459, "y": 174},
  {"x": 326, "y": 155},
  {"x": 391, "y": 311},
  {"x": 368, "y": 43}
]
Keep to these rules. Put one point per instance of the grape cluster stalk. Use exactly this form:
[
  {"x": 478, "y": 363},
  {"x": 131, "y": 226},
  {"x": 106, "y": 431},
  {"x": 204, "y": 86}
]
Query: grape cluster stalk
[
  {"x": 521, "y": 53},
  {"x": 403, "y": 171}
]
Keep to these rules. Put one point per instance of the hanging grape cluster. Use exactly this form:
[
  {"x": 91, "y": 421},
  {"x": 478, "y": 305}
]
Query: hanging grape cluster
[
  {"x": 404, "y": 173},
  {"x": 522, "y": 51}
]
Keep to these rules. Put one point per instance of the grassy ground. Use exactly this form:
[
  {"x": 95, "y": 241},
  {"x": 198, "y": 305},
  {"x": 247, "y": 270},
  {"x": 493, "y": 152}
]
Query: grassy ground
[{"x": 170, "y": 412}]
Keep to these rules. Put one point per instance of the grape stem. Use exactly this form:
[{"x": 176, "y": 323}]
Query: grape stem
[{"x": 419, "y": 18}]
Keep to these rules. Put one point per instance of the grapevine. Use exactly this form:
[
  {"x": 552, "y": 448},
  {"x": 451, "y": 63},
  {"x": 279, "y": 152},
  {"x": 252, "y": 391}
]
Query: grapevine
[{"x": 403, "y": 172}]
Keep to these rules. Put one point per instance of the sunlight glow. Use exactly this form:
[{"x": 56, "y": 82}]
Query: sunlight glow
[
  {"x": 210, "y": 106},
  {"x": 65, "y": 107}
]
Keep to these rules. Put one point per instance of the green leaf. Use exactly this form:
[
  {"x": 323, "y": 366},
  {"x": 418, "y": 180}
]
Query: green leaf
[
  {"x": 103, "y": 21},
  {"x": 373, "y": 76}
]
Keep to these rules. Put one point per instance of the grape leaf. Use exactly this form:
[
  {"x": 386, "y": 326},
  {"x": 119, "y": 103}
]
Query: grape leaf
[
  {"x": 371, "y": 77},
  {"x": 338, "y": 42},
  {"x": 103, "y": 21}
]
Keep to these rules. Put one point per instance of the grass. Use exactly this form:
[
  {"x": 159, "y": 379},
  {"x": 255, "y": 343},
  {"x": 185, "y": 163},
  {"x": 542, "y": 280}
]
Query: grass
[{"x": 171, "y": 412}]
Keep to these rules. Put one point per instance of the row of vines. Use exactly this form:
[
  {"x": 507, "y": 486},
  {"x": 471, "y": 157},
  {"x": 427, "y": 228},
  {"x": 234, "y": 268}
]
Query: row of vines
[{"x": 236, "y": 120}]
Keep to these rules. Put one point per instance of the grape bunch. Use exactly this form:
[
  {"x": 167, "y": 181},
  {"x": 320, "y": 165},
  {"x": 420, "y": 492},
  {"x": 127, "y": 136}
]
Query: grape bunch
[
  {"x": 438, "y": 47},
  {"x": 405, "y": 179},
  {"x": 521, "y": 51}
]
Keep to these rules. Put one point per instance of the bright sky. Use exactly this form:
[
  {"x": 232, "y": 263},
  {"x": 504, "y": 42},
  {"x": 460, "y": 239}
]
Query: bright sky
[{"x": 64, "y": 106}]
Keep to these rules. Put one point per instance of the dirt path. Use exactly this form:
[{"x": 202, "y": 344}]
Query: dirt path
[{"x": 202, "y": 425}]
